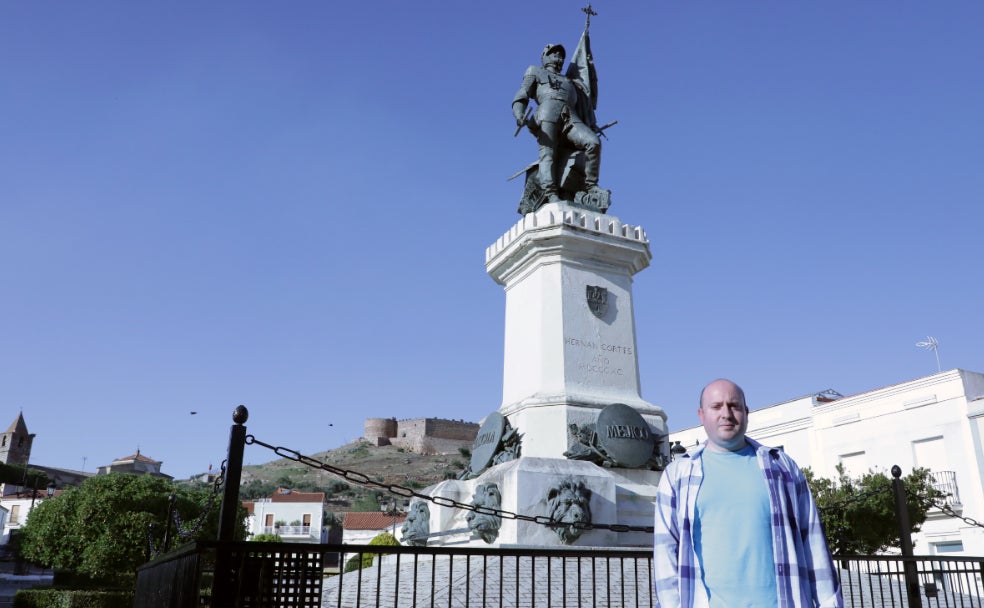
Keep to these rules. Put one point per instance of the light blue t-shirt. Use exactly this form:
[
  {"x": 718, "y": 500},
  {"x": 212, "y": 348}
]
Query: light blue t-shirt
[{"x": 733, "y": 531}]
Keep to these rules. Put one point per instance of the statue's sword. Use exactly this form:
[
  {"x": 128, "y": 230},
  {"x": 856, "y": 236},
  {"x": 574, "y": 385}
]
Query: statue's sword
[{"x": 526, "y": 120}]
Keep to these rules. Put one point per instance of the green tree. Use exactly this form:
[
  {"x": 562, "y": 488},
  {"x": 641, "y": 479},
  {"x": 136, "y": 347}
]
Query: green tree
[
  {"x": 858, "y": 513},
  {"x": 256, "y": 489},
  {"x": 100, "y": 529},
  {"x": 367, "y": 503}
]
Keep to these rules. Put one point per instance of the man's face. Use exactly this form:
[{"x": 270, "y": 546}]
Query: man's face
[
  {"x": 724, "y": 415},
  {"x": 553, "y": 60}
]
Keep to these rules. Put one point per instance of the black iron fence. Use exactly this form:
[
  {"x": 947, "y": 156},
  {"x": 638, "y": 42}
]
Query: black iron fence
[
  {"x": 874, "y": 581},
  {"x": 271, "y": 575},
  {"x": 480, "y": 577},
  {"x": 240, "y": 574}
]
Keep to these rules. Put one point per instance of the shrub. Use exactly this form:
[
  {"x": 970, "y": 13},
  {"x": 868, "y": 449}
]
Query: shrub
[
  {"x": 117, "y": 581},
  {"x": 353, "y": 563},
  {"x": 383, "y": 539},
  {"x": 266, "y": 538},
  {"x": 57, "y": 598}
]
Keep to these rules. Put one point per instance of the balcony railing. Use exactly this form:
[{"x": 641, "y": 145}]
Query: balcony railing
[
  {"x": 285, "y": 531},
  {"x": 946, "y": 482}
]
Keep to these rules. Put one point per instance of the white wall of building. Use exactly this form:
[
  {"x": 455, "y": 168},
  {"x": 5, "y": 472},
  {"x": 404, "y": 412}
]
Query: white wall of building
[
  {"x": 266, "y": 513},
  {"x": 4, "y": 516},
  {"x": 936, "y": 422}
]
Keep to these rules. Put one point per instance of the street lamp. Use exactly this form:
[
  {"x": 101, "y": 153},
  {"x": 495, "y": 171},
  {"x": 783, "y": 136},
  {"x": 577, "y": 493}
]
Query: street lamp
[{"x": 388, "y": 507}]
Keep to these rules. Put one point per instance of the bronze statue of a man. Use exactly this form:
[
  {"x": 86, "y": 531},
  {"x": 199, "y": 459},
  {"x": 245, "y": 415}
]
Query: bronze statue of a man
[{"x": 564, "y": 117}]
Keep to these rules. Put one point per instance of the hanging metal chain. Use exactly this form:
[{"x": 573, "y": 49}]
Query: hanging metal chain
[
  {"x": 362, "y": 480},
  {"x": 217, "y": 484},
  {"x": 948, "y": 510},
  {"x": 154, "y": 550}
]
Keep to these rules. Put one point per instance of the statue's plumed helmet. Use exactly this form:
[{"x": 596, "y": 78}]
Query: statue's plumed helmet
[{"x": 553, "y": 47}]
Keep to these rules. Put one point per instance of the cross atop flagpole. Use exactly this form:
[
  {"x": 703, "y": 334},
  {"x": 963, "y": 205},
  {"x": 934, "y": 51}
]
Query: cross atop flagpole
[
  {"x": 587, "y": 11},
  {"x": 932, "y": 344}
]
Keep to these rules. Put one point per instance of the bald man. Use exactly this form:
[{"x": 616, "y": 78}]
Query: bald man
[{"x": 736, "y": 525}]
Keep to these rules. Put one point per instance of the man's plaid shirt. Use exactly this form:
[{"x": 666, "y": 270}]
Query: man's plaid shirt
[{"x": 805, "y": 573}]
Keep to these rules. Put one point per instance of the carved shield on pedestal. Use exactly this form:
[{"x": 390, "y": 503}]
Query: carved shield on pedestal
[{"x": 597, "y": 300}]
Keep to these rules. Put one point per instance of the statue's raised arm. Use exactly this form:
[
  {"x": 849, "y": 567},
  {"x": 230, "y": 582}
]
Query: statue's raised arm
[{"x": 565, "y": 128}]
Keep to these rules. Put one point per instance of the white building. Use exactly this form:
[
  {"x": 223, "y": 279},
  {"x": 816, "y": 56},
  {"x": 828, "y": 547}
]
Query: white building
[
  {"x": 16, "y": 509},
  {"x": 936, "y": 422},
  {"x": 295, "y": 516},
  {"x": 358, "y": 528},
  {"x": 135, "y": 464}
]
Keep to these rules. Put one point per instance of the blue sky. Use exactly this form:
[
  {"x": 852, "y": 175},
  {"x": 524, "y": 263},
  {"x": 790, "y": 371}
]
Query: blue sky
[{"x": 286, "y": 205}]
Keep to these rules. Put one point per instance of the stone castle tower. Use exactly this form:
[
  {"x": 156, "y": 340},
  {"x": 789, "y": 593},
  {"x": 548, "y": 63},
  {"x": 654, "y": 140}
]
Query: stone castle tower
[{"x": 15, "y": 443}]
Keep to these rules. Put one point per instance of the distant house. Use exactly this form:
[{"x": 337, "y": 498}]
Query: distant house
[
  {"x": 358, "y": 528},
  {"x": 134, "y": 464},
  {"x": 295, "y": 516},
  {"x": 17, "y": 508}
]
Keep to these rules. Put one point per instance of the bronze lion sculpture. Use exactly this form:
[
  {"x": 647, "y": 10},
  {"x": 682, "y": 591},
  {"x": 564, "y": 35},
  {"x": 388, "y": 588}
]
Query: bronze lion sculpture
[
  {"x": 482, "y": 524},
  {"x": 568, "y": 505},
  {"x": 416, "y": 528}
]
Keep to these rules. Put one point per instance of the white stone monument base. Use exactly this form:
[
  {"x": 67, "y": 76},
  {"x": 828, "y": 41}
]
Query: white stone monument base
[{"x": 618, "y": 496}]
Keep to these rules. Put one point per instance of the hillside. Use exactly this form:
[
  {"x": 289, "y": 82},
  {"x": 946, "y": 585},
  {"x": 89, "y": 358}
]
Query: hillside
[{"x": 384, "y": 465}]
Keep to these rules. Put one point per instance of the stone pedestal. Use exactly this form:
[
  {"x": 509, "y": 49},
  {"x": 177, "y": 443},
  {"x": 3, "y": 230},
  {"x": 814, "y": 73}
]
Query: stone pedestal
[
  {"x": 622, "y": 496},
  {"x": 564, "y": 358},
  {"x": 570, "y": 352}
]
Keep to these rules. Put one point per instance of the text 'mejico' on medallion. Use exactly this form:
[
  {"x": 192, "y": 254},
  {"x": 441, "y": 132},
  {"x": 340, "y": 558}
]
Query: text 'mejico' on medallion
[
  {"x": 597, "y": 300},
  {"x": 487, "y": 441},
  {"x": 625, "y": 435}
]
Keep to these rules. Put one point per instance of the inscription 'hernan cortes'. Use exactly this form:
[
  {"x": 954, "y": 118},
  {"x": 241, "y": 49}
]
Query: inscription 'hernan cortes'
[{"x": 612, "y": 348}]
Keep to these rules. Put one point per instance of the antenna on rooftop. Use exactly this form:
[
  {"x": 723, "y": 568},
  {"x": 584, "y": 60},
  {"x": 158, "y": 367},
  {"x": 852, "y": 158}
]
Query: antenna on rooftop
[{"x": 932, "y": 344}]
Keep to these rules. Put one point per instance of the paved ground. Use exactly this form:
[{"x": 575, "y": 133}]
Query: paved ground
[
  {"x": 501, "y": 581},
  {"x": 10, "y": 582}
]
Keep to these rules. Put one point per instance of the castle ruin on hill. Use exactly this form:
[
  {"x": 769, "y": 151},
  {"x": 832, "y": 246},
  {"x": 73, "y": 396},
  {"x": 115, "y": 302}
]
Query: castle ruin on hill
[{"x": 421, "y": 435}]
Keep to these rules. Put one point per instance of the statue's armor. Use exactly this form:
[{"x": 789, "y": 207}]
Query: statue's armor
[
  {"x": 554, "y": 93},
  {"x": 556, "y": 122}
]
